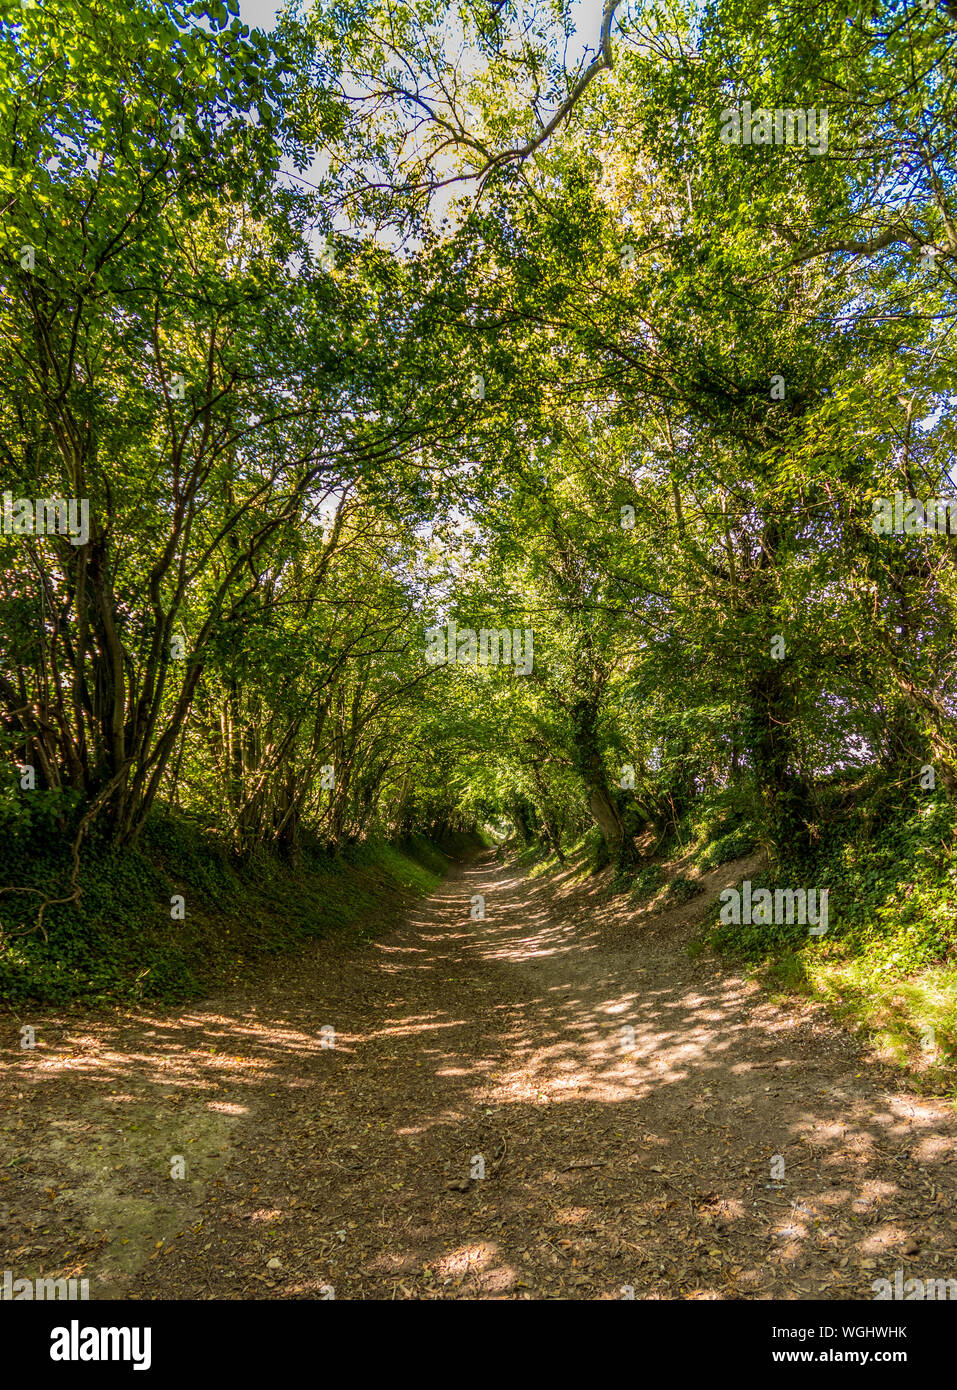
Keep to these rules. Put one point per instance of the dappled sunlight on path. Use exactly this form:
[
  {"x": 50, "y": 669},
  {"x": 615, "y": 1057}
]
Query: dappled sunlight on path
[{"x": 552, "y": 1101}]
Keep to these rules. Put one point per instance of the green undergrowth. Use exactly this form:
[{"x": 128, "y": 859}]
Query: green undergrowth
[
  {"x": 646, "y": 883},
  {"x": 121, "y": 943},
  {"x": 538, "y": 859},
  {"x": 714, "y": 830},
  {"x": 535, "y": 858},
  {"x": 887, "y": 965}
]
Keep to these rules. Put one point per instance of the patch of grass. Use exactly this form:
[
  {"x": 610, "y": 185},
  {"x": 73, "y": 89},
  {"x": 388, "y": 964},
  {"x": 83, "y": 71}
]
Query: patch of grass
[
  {"x": 533, "y": 857},
  {"x": 734, "y": 845},
  {"x": 547, "y": 864},
  {"x": 910, "y": 1022}
]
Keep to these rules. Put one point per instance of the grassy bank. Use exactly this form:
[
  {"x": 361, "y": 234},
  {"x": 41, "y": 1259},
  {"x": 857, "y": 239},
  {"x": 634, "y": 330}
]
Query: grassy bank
[{"x": 122, "y": 943}]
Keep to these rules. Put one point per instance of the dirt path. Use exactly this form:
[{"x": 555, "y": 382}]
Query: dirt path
[{"x": 611, "y": 1162}]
